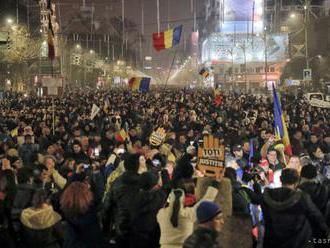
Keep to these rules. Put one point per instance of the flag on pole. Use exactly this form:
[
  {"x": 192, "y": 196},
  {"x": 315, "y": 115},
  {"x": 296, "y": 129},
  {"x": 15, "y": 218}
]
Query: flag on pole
[
  {"x": 50, "y": 40},
  {"x": 217, "y": 98},
  {"x": 204, "y": 73},
  {"x": 95, "y": 110},
  {"x": 167, "y": 39},
  {"x": 281, "y": 131},
  {"x": 141, "y": 84}
]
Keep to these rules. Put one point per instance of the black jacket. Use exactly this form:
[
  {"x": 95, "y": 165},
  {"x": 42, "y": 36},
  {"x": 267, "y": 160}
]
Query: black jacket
[
  {"x": 145, "y": 231},
  {"x": 319, "y": 193},
  {"x": 203, "y": 238},
  {"x": 83, "y": 231},
  {"x": 117, "y": 204},
  {"x": 22, "y": 200},
  {"x": 289, "y": 216}
]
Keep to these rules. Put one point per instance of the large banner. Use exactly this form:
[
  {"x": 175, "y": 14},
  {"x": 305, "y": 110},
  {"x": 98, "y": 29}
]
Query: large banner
[{"x": 220, "y": 47}]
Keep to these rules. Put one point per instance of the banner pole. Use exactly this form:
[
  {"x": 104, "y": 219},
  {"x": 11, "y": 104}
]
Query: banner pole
[{"x": 169, "y": 73}]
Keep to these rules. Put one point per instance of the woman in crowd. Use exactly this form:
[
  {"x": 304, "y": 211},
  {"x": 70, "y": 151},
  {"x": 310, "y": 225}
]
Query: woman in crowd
[
  {"x": 41, "y": 224},
  {"x": 80, "y": 212}
]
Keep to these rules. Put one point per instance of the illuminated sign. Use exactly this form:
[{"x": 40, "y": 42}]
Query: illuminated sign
[{"x": 229, "y": 48}]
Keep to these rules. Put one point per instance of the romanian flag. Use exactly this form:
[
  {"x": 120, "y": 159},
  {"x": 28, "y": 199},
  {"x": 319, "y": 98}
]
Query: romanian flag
[
  {"x": 204, "y": 73},
  {"x": 281, "y": 131},
  {"x": 141, "y": 84},
  {"x": 50, "y": 40},
  {"x": 167, "y": 39},
  {"x": 217, "y": 98},
  {"x": 121, "y": 136}
]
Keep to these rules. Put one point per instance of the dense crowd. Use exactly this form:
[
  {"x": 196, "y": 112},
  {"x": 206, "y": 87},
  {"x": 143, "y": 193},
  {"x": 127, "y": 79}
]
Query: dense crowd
[{"x": 67, "y": 180}]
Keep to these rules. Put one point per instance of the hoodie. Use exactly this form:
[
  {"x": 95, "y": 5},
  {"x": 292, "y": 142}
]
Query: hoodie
[
  {"x": 40, "y": 227},
  {"x": 289, "y": 216}
]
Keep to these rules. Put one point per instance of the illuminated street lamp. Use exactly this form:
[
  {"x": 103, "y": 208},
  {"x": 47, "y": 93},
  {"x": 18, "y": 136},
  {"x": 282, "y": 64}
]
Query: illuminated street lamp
[{"x": 9, "y": 21}]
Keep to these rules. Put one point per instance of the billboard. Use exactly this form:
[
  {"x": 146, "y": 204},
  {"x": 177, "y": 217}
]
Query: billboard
[
  {"x": 226, "y": 48},
  {"x": 240, "y": 14}
]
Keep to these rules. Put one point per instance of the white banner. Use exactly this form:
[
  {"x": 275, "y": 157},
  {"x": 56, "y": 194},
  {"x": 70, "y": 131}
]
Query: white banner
[{"x": 319, "y": 103}]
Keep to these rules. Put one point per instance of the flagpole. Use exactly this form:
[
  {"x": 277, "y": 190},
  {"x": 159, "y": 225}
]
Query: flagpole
[
  {"x": 158, "y": 18},
  {"x": 53, "y": 115},
  {"x": 169, "y": 73}
]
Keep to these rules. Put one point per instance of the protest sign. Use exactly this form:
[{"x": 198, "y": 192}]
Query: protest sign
[{"x": 211, "y": 156}]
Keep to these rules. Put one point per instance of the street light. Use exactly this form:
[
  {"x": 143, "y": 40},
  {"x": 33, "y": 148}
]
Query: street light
[{"x": 9, "y": 21}]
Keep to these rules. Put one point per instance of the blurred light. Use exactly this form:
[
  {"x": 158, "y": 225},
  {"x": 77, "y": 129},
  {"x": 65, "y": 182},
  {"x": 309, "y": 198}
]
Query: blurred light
[
  {"x": 10, "y": 21},
  {"x": 40, "y": 30},
  {"x": 148, "y": 67},
  {"x": 288, "y": 60},
  {"x": 292, "y": 15},
  {"x": 78, "y": 46},
  {"x": 44, "y": 42},
  {"x": 25, "y": 95},
  {"x": 91, "y": 51},
  {"x": 319, "y": 56},
  {"x": 305, "y": 7},
  {"x": 148, "y": 58}
]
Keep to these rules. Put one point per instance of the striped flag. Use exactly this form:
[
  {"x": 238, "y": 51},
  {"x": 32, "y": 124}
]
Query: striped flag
[
  {"x": 141, "y": 84},
  {"x": 281, "y": 131},
  {"x": 167, "y": 39}
]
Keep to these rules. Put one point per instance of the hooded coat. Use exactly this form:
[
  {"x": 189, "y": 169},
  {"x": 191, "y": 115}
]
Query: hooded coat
[
  {"x": 288, "y": 215},
  {"x": 41, "y": 228}
]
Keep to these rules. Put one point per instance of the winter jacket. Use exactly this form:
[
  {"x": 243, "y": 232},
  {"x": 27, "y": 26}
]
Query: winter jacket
[
  {"x": 172, "y": 237},
  {"x": 289, "y": 216},
  {"x": 319, "y": 193},
  {"x": 145, "y": 230},
  {"x": 203, "y": 237},
  {"x": 117, "y": 203},
  {"x": 41, "y": 228},
  {"x": 22, "y": 200},
  {"x": 83, "y": 231}
]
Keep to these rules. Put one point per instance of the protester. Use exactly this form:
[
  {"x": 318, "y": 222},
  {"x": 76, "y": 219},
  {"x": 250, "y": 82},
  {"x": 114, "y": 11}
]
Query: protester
[
  {"x": 113, "y": 152},
  {"x": 41, "y": 223},
  {"x": 210, "y": 221},
  {"x": 289, "y": 214}
]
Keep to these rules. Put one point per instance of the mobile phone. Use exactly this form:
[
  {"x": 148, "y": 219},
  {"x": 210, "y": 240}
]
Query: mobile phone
[
  {"x": 155, "y": 162},
  {"x": 121, "y": 151},
  {"x": 86, "y": 166},
  {"x": 191, "y": 143},
  {"x": 97, "y": 152}
]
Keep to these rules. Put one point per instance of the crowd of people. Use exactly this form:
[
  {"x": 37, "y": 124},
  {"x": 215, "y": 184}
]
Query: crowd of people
[{"x": 69, "y": 180}]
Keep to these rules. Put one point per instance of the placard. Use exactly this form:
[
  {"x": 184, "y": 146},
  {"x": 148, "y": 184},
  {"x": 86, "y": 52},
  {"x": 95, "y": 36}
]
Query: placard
[{"x": 211, "y": 157}]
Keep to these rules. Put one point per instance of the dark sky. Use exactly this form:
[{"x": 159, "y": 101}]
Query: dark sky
[{"x": 176, "y": 11}]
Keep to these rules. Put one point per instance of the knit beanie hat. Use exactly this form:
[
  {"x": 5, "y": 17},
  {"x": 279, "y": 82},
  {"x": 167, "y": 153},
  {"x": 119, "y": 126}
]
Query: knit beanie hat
[
  {"x": 206, "y": 211},
  {"x": 308, "y": 171}
]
